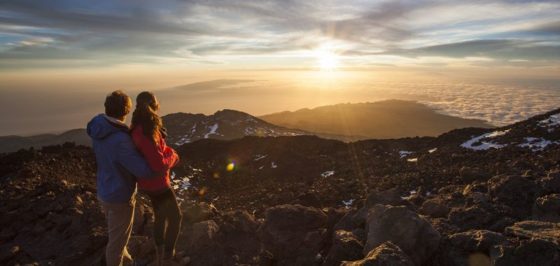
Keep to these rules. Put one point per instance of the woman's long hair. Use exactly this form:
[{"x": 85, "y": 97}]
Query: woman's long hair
[{"x": 146, "y": 115}]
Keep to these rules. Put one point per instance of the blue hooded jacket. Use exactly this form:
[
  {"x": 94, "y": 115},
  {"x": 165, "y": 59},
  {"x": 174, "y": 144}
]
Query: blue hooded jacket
[{"x": 118, "y": 161}]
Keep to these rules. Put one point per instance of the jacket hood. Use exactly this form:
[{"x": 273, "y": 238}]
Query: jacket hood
[{"x": 100, "y": 127}]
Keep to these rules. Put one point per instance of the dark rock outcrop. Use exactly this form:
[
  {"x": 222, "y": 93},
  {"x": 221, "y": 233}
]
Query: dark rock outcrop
[
  {"x": 514, "y": 191},
  {"x": 294, "y": 234},
  {"x": 406, "y": 229},
  {"x": 345, "y": 247},
  {"x": 385, "y": 254},
  {"x": 547, "y": 208}
]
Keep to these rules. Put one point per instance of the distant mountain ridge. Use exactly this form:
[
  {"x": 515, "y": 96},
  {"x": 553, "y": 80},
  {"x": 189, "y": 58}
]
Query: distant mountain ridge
[
  {"x": 378, "y": 120},
  {"x": 347, "y": 122},
  {"x": 181, "y": 128},
  {"x": 225, "y": 124},
  {"x": 14, "y": 143}
]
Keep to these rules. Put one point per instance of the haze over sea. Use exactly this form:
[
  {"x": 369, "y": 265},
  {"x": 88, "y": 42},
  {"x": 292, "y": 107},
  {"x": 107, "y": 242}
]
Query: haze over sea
[{"x": 500, "y": 103}]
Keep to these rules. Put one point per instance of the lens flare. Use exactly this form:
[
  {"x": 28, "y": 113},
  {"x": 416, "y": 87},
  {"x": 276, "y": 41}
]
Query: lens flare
[{"x": 230, "y": 167}]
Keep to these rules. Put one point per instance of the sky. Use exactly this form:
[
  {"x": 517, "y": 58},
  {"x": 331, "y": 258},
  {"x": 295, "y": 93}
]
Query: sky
[{"x": 58, "y": 59}]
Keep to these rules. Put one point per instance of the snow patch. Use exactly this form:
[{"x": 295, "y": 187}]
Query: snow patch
[
  {"x": 432, "y": 150},
  {"x": 183, "y": 140},
  {"x": 259, "y": 157},
  {"x": 551, "y": 122},
  {"x": 213, "y": 130},
  {"x": 347, "y": 203},
  {"x": 327, "y": 173},
  {"x": 412, "y": 160},
  {"x": 403, "y": 154},
  {"x": 479, "y": 143},
  {"x": 411, "y": 193},
  {"x": 273, "y": 165},
  {"x": 536, "y": 144}
]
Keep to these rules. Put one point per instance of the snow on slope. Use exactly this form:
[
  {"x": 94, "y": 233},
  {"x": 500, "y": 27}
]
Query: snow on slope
[
  {"x": 522, "y": 135},
  {"x": 226, "y": 124},
  {"x": 483, "y": 142}
]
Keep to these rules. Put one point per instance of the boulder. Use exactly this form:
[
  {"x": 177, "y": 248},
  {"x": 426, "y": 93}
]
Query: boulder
[
  {"x": 471, "y": 247},
  {"x": 514, "y": 191},
  {"x": 203, "y": 233},
  {"x": 547, "y": 208},
  {"x": 477, "y": 240},
  {"x": 385, "y": 197},
  {"x": 352, "y": 219},
  {"x": 238, "y": 240},
  {"x": 386, "y": 254},
  {"x": 239, "y": 221},
  {"x": 197, "y": 212},
  {"x": 435, "y": 208},
  {"x": 476, "y": 193},
  {"x": 534, "y": 252},
  {"x": 294, "y": 234},
  {"x": 471, "y": 173},
  {"x": 473, "y": 217},
  {"x": 412, "y": 233},
  {"x": 551, "y": 183},
  {"x": 345, "y": 247},
  {"x": 536, "y": 230},
  {"x": 203, "y": 245}
]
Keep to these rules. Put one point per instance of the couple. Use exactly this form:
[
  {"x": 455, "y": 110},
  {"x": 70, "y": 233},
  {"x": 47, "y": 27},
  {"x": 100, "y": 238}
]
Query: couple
[{"x": 127, "y": 156}]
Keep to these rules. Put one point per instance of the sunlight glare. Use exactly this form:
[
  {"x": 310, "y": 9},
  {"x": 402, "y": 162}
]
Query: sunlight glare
[{"x": 327, "y": 59}]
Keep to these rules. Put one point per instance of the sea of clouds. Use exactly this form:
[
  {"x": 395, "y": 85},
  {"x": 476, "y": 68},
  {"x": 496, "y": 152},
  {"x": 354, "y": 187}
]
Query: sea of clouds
[{"x": 498, "y": 104}]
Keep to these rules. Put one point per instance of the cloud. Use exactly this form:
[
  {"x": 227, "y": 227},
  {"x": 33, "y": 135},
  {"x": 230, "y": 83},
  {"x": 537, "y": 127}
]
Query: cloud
[
  {"x": 552, "y": 28},
  {"x": 109, "y": 33},
  {"x": 497, "y": 49}
]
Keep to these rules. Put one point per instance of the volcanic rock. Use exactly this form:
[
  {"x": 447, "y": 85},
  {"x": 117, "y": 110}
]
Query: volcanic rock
[
  {"x": 345, "y": 247},
  {"x": 534, "y": 252},
  {"x": 551, "y": 183},
  {"x": 406, "y": 229},
  {"x": 434, "y": 208},
  {"x": 197, "y": 212},
  {"x": 472, "y": 246},
  {"x": 294, "y": 234},
  {"x": 514, "y": 191},
  {"x": 547, "y": 208},
  {"x": 384, "y": 255},
  {"x": 536, "y": 229},
  {"x": 385, "y": 197}
]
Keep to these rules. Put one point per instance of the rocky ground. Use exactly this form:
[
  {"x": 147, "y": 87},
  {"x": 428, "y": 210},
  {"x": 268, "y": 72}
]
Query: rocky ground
[{"x": 468, "y": 197}]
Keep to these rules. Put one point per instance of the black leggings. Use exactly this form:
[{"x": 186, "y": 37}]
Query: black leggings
[{"x": 166, "y": 211}]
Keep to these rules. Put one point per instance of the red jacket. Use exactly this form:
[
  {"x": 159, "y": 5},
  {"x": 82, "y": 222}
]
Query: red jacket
[{"x": 161, "y": 158}]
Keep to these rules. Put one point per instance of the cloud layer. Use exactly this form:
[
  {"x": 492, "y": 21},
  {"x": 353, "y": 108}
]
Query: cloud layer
[{"x": 79, "y": 33}]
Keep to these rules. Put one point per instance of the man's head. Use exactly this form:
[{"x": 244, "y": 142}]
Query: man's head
[{"x": 117, "y": 105}]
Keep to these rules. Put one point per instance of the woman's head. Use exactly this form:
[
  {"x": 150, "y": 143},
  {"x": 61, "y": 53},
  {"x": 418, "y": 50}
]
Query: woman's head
[
  {"x": 147, "y": 99},
  {"x": 146, "y": 115}
]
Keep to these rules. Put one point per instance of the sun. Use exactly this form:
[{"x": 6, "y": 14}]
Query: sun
[{"x": 327, "y": 58}]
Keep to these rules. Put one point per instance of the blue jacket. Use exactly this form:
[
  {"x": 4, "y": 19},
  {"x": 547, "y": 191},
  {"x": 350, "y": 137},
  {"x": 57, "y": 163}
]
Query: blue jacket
[{"x": 118, "y": 161}]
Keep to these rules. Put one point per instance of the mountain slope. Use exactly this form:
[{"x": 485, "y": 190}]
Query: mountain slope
[
  {"x": 378, "y": 120},
  {"x": 225, "y": 124},
  {"x": 14, "y": 143},
  {"x": 181, "y": 128},
  {"x": 303, "y": 200}
]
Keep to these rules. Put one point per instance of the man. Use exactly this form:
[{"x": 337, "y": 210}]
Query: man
[{"x": 118, "y": 162}]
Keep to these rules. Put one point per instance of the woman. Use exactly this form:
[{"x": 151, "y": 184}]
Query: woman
[{"x": 148, "y": 135}]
